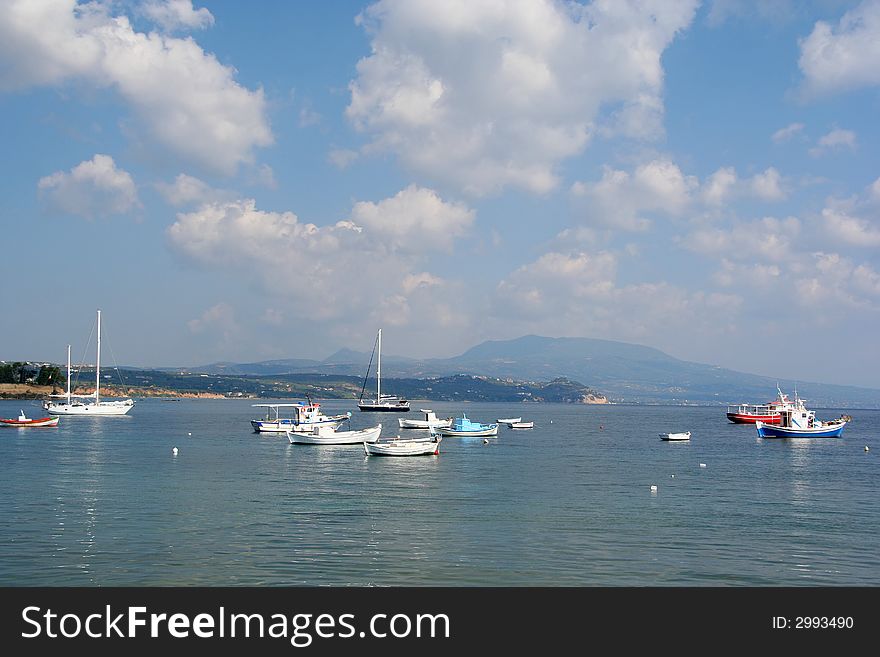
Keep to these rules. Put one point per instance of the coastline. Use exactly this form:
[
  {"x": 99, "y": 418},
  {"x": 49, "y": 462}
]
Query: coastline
[{"x": 29, "y": 391}]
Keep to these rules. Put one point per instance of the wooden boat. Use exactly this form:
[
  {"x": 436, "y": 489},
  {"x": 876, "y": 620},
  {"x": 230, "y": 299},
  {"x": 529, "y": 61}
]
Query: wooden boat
[
  {"x": 24, "y": 421},
  {"x": 685, "y": 435},
  {"x": 382, "y": 403},
  {"x": 521, "y": 425},
  {"x": 409, "y": 447},
  {"x": 300, "y": 417},
  {"x": 327, "y": 435},
  {"x": 799, "y": 422},
  {"x": 509, "y": 420},
  {"x": 431, "y": 420},
  {"x": 464, "y": 427}
]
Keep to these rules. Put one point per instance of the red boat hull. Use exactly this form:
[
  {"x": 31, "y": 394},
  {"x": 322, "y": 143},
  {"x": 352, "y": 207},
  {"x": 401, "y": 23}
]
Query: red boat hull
[
  {"x": 745, "y": 418},
  {"x": 41, "y": 422}
]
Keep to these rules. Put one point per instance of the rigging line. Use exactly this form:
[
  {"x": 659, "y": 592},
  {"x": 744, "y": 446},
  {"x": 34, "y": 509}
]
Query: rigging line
[
  {"x": 369, "y": 365},
  {"x": 115, "y": 364},
  {"x": 82, "y": 361}
]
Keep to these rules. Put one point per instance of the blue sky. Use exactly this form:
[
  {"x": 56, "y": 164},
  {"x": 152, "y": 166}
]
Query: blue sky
[{"x": 246, "y": 181}]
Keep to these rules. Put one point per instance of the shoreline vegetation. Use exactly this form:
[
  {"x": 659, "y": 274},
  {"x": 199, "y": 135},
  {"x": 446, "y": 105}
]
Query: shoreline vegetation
[
  {"x": 32, "y": 391},
  {"x": 459, "y": 388}
]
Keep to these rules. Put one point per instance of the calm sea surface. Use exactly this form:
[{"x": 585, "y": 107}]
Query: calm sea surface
[{"x": 102, "y": 501}]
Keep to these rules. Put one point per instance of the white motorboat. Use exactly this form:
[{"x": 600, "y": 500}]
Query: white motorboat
[
  {"x": 72, "y": 404},
  {"x": 521, "y": 425},
  {"x": 797, "y": 421},
  {"x": 431, "y": 420},
  {"x": 404, "y": 447},
  {"x": 327, "y": 435},
  {"x": 686, "y": 435},
  {"x": 509, "y": 420},
  {"x": 382, "y": 403},
  {"x": 299, "y": 417}
]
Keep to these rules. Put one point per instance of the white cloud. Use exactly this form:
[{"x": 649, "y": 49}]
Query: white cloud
[
  {"x": 485, "y": 95},
  {"x": 93, "y": 188},
  {"x": 188, "y": 190},
  {"x": 786, "y": 133},
  {"x": 264, "y": 176},
  {"x": 415, "y": 218},
  {"x": 770, "y": 238},
  {"x": 621, "y": 199},
  {"x": 336, "y": 271},
  {"x": 220, "y": 318},
  {"x": 851, "y": 230},
  {"x": 342, "y": 158},
  {"x": 174, "y": 15},
  {"x": 720, "y": 185},
  {"x": 768, "y": 185},
  {"x": 835, "y": 140},
  {"x": 842, "y": 58},
  {"x": 579, "y": 291},
  {"x": 308, "y": 116},
  {"x": 186, "y": 100}
]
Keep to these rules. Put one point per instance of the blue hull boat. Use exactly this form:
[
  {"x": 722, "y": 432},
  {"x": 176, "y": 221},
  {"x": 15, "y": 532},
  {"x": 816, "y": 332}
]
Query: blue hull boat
[
  {"x": 829, "y": 430},
  {"x": 796, "y": 421}
]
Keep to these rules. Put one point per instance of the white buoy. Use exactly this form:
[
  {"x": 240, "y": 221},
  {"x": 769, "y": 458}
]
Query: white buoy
[
  {"x": 174, "y": 451},
  {"x": 485, "y": 441},
  {"x": 653, "y": 488},
  {"x": 189, "y": 434},
  {"x": 702, "y": 465},
  {"x": 867, "y": 449},
  {"x": 673, "y": 476}
]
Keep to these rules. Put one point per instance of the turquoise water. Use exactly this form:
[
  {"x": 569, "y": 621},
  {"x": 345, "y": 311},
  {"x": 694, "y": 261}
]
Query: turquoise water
[{"x": 102, "y": 501}]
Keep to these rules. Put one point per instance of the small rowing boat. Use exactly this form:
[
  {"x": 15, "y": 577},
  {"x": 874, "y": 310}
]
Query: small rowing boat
[
  {"x": 685, "y": 435},
  {"x": 24, "y": 421}
]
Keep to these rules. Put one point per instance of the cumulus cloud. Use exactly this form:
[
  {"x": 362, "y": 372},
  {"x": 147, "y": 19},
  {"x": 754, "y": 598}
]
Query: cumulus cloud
[
  {"x": 185, "y": 99},
  {"x": 324, "y": 268},
  {"x": 786, "y": 133},
  {"x": 621, "y": 199},
  {"x": 220, "y": 317},
  {"x": 580, "y": 291},
  {"x": 415, "y": 218},
  {"x": 720, "y": 185},
  {"x": 835, "y": 140},
  {"x": 342, "y": 158},
  {"x": 768, "y": 238},
  {"x": 93, "y": 188},
  {"x": 174, "y": 15},
  {"x": 848, "y": 229},
  {"x": 843, "y": 57},
  {"x": 487, "y": 95},
  {"x": 188, "y": 190},
  {"x": 768, "y": 185}
]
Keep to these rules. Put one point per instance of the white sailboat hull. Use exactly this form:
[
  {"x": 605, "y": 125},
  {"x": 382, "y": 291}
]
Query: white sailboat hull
[
  {"x": 102, "y": 408},
  {"x": 327, "y": 436}
]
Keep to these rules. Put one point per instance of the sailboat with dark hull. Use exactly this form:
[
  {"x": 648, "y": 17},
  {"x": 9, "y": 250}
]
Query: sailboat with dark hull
[{"x": 382, "y": 403}]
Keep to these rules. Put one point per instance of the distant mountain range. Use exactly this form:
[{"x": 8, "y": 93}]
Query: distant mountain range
[{"x": 621, "y": 371}]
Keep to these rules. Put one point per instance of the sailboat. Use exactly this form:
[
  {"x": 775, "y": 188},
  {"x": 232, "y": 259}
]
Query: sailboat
[
  {"x": 382, "y": 402},
  {"x": 73, "y": 404}
]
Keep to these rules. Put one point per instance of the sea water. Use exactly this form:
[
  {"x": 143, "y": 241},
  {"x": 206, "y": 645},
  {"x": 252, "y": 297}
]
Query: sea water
[{"x": 105, "y": 501}]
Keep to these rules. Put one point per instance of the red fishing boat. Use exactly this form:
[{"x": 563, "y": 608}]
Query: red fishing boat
[
  {"x": 24, "y": 421},
  {"x": 769, "y": 413}
]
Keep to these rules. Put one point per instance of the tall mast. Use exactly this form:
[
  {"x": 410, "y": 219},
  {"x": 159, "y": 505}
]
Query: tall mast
[
  {"x": 98, "y": 364},
  {"x": 379, "y": 372},
  {"x": 68, "y": 375}
]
